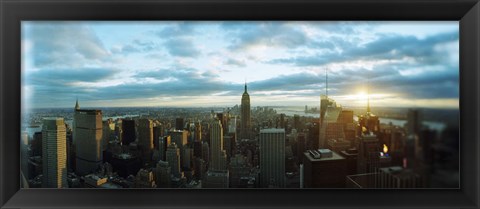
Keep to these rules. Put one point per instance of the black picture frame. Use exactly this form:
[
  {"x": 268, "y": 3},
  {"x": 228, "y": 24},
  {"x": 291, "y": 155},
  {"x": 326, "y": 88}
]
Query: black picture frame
[{"x": 12, "y": 12}]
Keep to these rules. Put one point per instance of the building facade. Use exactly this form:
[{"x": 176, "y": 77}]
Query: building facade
[
  {"x": 54, "y": 145},
  {"x": 145, "y": 138},
  {"x": 173, "y": 159},
  {"x": 272, "y": 158},
  {"x": 87, "y": 137},
  {"x": 218, "y": 154},
  {"x": 245, "y": 125},
  {"x": 324, "y": 171}
]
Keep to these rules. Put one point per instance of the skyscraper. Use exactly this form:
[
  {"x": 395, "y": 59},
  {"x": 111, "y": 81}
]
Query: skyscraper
[
  {"x": 217, "y": 175},
  {"x": 179, "y": 123},
  {"x": 180, "y": 137},
  {"x": 198, "y": 132},
  {"x": 144, "y": 179},
  {"x": 24, "y": 155},
  {"x": 145, "y": 138},
  {"x": 329, "y": 113},
  {"x": 163, "y": 174},
  {"x": 54, "y": 145},
  {"x": 272, "y": 158},
  {"x": 218, "y": 155},
  {"x": 128, "y": 131},
  {"x": 245, "y": 114},
  {"x": 368, "y": 154},
  {"x": 163, "y": 142},
  {"x": 324, "y": 168},
  {"x": 173, "y": 159},
  {"x": 87, "y": 136}
]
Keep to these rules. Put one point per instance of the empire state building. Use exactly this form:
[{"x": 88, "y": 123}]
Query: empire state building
[{"x": 245, "y": 111}]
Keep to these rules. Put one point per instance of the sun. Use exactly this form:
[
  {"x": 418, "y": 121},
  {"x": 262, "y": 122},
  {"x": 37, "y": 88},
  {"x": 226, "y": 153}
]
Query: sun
[{"x": 361, "y": 96}]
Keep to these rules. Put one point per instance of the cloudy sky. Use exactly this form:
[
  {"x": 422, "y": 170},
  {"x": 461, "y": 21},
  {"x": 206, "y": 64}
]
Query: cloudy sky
[{"x": 400, "y": 64}]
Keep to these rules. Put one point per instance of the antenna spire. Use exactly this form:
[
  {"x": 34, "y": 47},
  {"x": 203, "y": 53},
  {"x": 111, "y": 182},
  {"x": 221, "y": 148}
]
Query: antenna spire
[
  {"x": 245, "y": 84},
  {"x": 76, "y": 105},
  {"x": 368, "y": 93},
  {"x": 326, "y": 81}
]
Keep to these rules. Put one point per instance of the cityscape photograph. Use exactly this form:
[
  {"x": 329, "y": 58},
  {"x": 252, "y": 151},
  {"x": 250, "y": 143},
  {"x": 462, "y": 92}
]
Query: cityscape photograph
[{"x": 240, "y": 104}]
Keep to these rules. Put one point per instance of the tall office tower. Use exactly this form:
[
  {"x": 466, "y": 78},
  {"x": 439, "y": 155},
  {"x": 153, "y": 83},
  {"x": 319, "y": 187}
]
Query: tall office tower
[
  {"x": 198, "y": 132},
  {"x": 217, "y": 175},
  {"x": 414, "y": 122},
  {"x": 173, "y": 159},
  {"x": 369, "y": 122},
  {"x": 200, "y": 168},
  {"x": 272, "y": 158},
  {"x": 232, "y": 125},
  {"x": 218, "y": 155},
  {"x": 329, "y": 112},
  {"x": 187, "y": 158},
  {"x": 239, "y": 169},
  {"x": 245, "y": 125},
  {"x": 301, "y": 146},
  {"x": 24, "y": 156},
  {"x": 118, "y": 131},
  {"x": 87, "y": 136},
  {"x": 228, "y": 145},
  {"x": 221, "y": 117},
  {"x": 324, "y": 168},
  {"x": 179, "y": 124},
  {"x": 334, "y": 130},
  {"x": 158, "y": 131},
  {"x": 163, "y": 142},
  {"x": 282, "y": 121},
  {"x": 206, "y": 151},
  {"x": 180, "y": 137},
  {"x": 350, "y": 156},
  {"x": 54, "y": 145},
  {"x": 144, "y": 179},
  {"x": 108, "y": 132},
  {"x": 398, "y": 177},
  {"x": 36, "y": 144},
  {"x": 128, "y": 131},
  {"x": 163, "y": 171},
  {"x": 145, "y": 138},
  {"x": 296, "y": 122},
  {"x": 368, "y": 157}
]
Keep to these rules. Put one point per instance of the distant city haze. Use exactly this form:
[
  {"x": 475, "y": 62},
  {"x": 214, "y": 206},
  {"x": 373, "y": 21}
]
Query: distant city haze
[{"x": 206, "y": 64}]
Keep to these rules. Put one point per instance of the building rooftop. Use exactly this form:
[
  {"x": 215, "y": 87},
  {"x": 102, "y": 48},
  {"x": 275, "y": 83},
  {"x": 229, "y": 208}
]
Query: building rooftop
[
  {"x": 52, "y": 122},
  {"x": 349, "y": 153},
  {"x": 88, "y": 111},
  {"x": 335, "y": 156},
  {"x": 272, "y": 130}
]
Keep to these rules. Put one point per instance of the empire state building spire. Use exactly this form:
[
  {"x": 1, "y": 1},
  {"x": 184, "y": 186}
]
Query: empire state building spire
[{"x": 245, "y": 125}]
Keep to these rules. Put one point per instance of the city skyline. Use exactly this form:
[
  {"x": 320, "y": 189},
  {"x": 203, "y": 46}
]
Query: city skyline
[{"x": 188, "y": 64}]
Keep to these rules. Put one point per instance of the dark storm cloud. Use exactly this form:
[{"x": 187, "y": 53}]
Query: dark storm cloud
[
  {"x": 298, "y": 81},
  {"x": 55, "y": 86},
  {"x": 179, "y": 82},
  {"x": 64, "y": 76}
]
